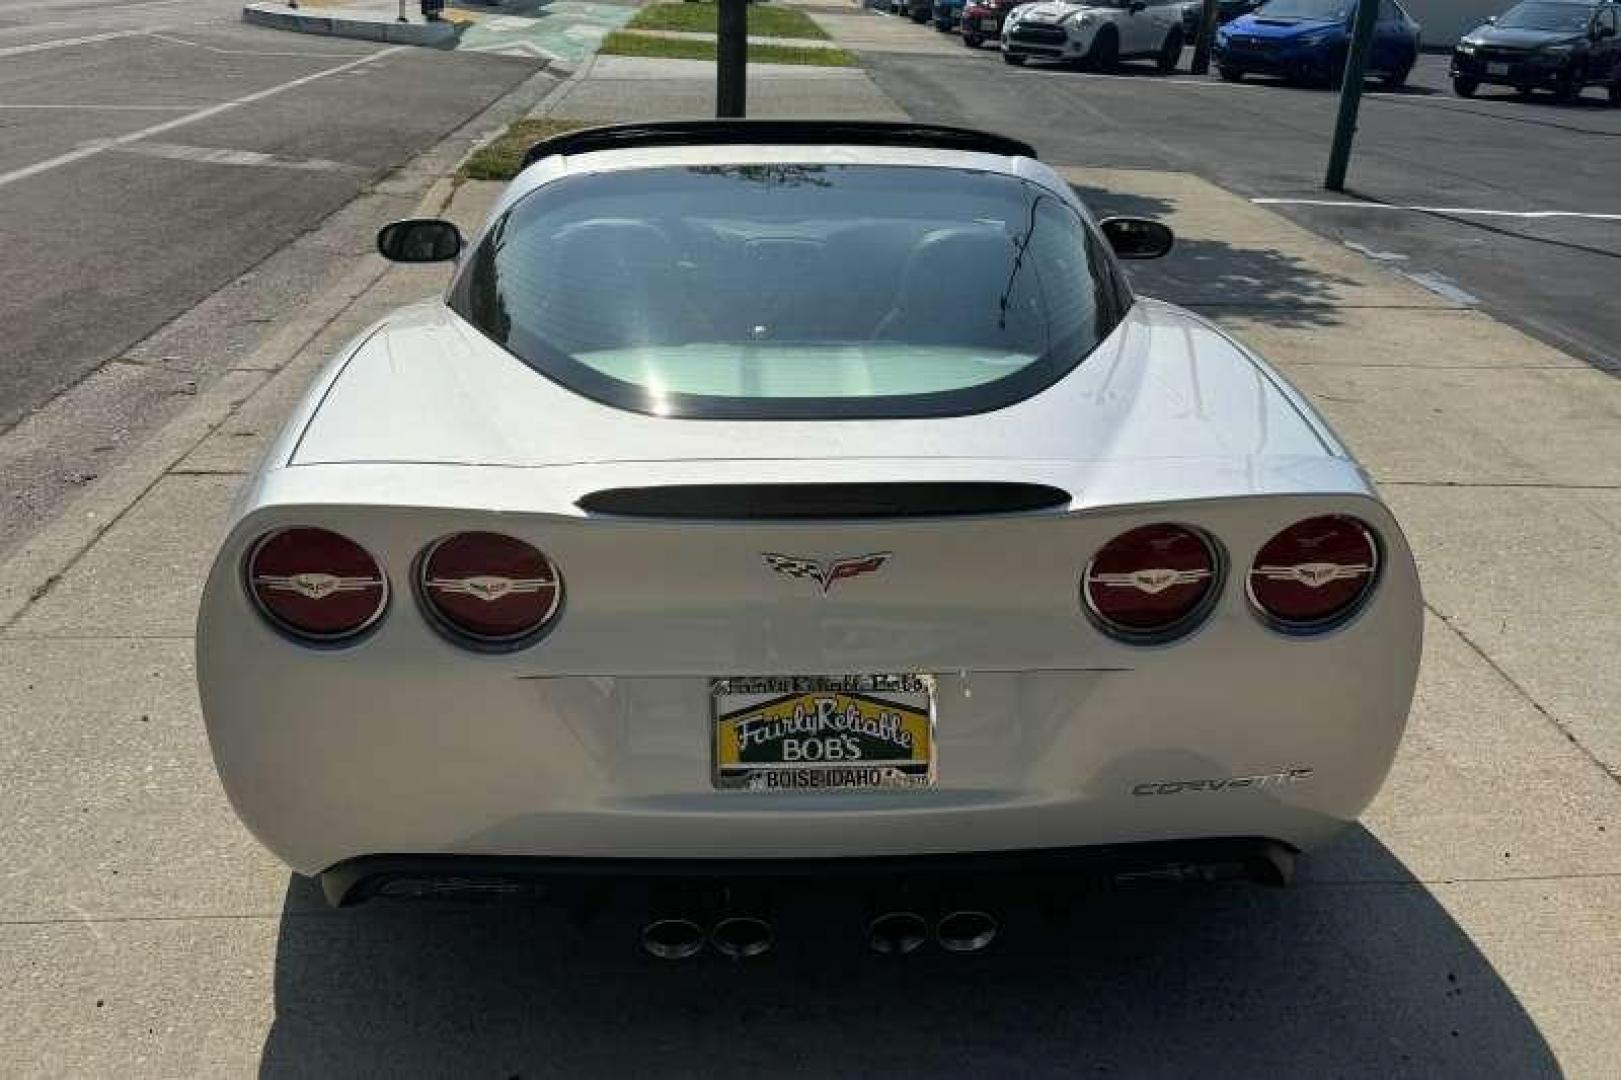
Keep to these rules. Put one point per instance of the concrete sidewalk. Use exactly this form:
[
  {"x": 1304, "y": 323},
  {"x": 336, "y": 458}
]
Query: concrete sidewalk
[{"x": 1470, "y": 926}]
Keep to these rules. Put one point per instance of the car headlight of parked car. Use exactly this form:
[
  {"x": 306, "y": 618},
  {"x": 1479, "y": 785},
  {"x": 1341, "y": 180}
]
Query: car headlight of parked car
[
  {"x": 1314, "y": 39},
  {"x": 1467, "y": 48},
  {"x": 1558, "y": 52},
  {"x": 1081, "y": 18}
]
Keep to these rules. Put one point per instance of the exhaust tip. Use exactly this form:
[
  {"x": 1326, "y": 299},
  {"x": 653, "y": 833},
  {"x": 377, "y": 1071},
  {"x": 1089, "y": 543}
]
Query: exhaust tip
[
  {"x": 966, "y": 931},
  {"x": 673, "y": 939},
  {"x": 897, "y": 933},
  {"x": 741, "y": 936}
]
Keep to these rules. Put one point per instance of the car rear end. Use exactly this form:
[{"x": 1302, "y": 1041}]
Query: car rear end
[{"x": 1011, "y": 565}]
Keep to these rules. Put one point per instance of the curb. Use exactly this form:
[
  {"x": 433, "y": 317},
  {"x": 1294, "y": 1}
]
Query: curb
[{"x": 278, "y": 17}]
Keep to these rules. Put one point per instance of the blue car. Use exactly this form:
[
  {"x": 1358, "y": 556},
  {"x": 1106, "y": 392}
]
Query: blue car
[
  {"x": 1307, "y": 41},
  {"x": 947, "y": 14}
]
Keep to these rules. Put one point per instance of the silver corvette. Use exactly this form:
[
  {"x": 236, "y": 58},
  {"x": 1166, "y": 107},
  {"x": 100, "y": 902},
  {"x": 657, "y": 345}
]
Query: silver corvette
[{"x": 807, "y": 497}]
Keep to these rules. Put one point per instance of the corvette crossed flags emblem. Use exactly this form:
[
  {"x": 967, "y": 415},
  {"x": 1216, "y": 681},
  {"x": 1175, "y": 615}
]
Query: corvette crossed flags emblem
[{"x": 825, "y": 573}]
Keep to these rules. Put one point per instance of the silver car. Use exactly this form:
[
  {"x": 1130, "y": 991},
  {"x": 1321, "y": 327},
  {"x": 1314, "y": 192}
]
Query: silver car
[{"x": 800, "y": 497}]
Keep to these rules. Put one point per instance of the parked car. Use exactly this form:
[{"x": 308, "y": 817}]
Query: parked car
[
  {"x": 1307, "y": 41},
  {"x": 982, "y": 20},
  {"x": 1096, "y": 32},
  {"x": 947, "y": 14},
  {"x": 919, "y": 11},
  {"x": 1543, "y": 43},
  {"x": 1226, "y": 12},
  {"x": 770, "y": 500}
]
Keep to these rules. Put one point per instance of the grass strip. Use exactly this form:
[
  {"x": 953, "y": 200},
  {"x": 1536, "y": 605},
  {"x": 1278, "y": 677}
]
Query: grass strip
[
  {"x": 502, "y": 157},
  {"x": 700, "y": 18},
  {"x": 621, "y": 43}
]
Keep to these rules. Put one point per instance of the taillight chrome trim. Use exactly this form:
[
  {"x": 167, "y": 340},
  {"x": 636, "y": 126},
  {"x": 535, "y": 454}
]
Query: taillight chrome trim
[
  {"x": 1333, "y": 571},
  {"x": 484, "y": 586},
  {"x": 1181, "y": 628},
  {"x": 314, "y": 586}
]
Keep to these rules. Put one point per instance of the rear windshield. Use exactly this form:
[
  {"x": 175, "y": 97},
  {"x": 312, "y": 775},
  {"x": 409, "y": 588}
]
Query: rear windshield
[{"x": 794, "y": 291}]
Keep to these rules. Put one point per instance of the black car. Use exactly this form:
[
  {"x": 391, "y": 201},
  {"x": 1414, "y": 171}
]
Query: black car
[{"x": 1561, "y": 45}]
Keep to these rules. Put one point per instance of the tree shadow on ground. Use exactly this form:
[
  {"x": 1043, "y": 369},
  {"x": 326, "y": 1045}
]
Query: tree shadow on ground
[
  {"x": 1364, "y": 974},
  {"x": 1216, "y": 276}
]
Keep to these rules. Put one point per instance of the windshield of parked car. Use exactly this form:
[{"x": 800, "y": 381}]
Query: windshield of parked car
[
  {"x": 1543, "y": 16},
  {"x": 789, "y": 290},
  {"x": 1303, "y": 9}
]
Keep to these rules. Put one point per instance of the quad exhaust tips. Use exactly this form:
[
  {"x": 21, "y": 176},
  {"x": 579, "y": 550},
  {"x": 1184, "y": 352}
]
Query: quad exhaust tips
[
  {"x": 896, "y": 933},
  {"x": 678, "y": 938}
]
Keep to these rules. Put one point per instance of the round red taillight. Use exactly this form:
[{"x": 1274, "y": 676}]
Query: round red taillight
[
  {"x": 1151, "y": 582},
  {"x": 1314, "y": 573},
  {"x": 488, "y": 589},
  {"x": 317, "y": 585}
]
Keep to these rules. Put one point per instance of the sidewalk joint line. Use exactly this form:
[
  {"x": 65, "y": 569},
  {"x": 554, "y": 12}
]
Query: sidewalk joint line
[{"x": 1523, "y": 692}]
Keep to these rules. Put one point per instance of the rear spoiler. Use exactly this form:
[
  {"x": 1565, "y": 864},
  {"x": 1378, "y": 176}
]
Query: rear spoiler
[{"x": 776, "y": 133}]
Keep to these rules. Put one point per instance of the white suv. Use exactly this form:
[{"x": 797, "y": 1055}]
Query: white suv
[{"x": 1097, "y": 31}]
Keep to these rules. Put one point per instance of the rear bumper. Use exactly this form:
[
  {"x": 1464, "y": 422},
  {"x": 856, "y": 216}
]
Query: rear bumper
[{"x": 1262, "y": 861}]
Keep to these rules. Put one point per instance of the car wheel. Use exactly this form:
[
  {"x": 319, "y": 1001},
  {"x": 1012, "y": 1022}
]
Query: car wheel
[
  {"x": 1231, "y": 74},
  {"x": 970, "y": 40},
  {"x": 1171, "y": 52},
  {"x": 1395, "y": 80},
  {"x": 1105, "y": 51},
  {"x": 1465, "y": 87},
  {"x": 1014, "y": 58}
]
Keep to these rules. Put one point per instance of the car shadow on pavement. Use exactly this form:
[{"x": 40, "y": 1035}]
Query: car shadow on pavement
[
  {"x": 1357, "y": 970},
  {"x": 1214, "y": 276}
]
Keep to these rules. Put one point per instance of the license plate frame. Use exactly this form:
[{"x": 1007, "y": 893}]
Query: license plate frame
[
  {"x": 988, "y": 24},
  {"x": 1495, "y": 68},
  {"x": 776, "y": 733}
]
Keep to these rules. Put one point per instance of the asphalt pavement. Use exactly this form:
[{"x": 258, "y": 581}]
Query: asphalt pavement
[
  {"x": 153, "y": 154},
  {"x": 1509, "y": 204}
]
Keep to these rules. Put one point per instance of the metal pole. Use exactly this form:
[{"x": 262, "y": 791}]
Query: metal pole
[
  {"x": 1203, "y": 39},
  {"x": 732, "y": 58},
  {"x": 1356, "y": 69}
]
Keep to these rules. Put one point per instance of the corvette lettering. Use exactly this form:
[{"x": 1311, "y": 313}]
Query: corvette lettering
[
  {"x": 1226, "y": 783},
  {"x": 828, "y": 573}
]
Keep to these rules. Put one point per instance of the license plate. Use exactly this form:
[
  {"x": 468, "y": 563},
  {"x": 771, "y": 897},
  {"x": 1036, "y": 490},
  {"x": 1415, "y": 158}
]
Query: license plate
[
  {"x": 987, "y": 24},
  {"x": 807, "y": 733},
  {"x": 1497, "y": 69}
]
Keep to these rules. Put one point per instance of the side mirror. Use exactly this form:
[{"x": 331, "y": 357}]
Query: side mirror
[
  {"x": 1137, "y": 238},
  {"x": 419, "y": 240}
]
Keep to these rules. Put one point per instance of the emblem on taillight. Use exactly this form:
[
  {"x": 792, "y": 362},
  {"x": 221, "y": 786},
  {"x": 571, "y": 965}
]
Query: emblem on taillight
[
  {"x": 489, "y": 587},
  {"x": 827, "y": 573},
  {"x": 313, "y": 586},
  {"x": 1152, "y": 582},
  {"x": 1314, "y": 575}
]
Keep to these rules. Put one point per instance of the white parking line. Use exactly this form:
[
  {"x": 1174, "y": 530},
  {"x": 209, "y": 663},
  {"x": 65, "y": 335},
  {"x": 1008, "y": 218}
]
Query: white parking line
[
  {"x": 190, "y": 118},
  {"x": 99, "y": 108},
  {"x": 1460, "y": 211},
  {"x": 63, "y": 43},
  {"x": 211, "y": 155}
]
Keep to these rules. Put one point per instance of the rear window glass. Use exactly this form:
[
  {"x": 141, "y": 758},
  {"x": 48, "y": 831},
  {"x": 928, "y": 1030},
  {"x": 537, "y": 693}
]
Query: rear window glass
[{"x": 800, "y": 291}]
